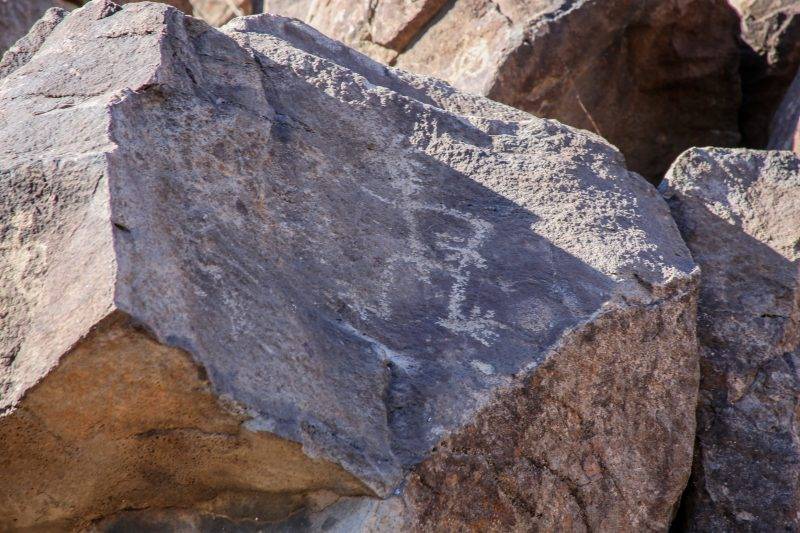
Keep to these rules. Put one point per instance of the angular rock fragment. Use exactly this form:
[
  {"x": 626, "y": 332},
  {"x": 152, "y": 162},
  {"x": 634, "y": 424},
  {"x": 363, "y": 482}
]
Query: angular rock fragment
[
  {"x": 654, "y": 77},
  {"x": 17, "y": 17},
  {"x": 785, "y": 130},
  {"x": 771, "y": 56},
  {"x": 252, "y": 276},
  {"x": 739, "y": 211}
]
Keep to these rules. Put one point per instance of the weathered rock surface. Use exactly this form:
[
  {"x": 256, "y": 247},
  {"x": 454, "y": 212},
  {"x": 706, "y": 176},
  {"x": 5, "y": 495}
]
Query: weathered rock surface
[
  {"x": 249, "y": 272},
  {"x": 17, "y": 17},
  {"x": 739, "y": 211},
  {"x": 770, "y": 32},
  {"x": 785, "y": 130},
  {"x": 653, "y": 77}
]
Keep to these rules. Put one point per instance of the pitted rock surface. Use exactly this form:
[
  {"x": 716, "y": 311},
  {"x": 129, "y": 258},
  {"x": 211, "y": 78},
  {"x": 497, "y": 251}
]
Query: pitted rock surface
[{"x": 359, "y": 281}]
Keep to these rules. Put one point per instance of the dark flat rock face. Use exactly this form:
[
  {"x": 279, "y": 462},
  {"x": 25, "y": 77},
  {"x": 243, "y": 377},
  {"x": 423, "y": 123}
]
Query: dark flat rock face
[
  {"x": 738, "y": 210},
  {"x": 357, "y": 258}
]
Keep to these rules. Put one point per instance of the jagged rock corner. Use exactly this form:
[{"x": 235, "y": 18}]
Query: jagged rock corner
[{"x": 252, "y": 277}]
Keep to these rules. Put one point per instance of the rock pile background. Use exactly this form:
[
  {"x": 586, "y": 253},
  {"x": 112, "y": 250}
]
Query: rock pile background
[{"x": 254, "y": 280}]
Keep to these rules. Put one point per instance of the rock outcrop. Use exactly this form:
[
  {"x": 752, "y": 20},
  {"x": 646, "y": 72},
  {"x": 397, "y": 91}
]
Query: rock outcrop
[
  {"x": 252, "y": 276},
  {"x": 785, "y": 130},
  {"x": 653, "y": 77},
  {"x": 770, "y": 33},
  {"x": 739, "y": 211},
  {"x": 17, "y": 17}
]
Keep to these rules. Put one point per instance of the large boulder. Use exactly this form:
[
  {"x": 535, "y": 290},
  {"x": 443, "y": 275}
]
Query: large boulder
[
  {"x": 785, "y": 129},
  {"x": 654, "y": 77},
  {"x": 770, "y": 33},
  {"x": 739, "y": 211},
  {"x": 250, "y": 272},
  {"x": 17, "y": 17}
]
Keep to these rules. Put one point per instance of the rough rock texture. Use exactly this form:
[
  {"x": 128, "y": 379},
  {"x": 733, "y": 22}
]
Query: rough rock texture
[
  {"x": 654, "y": 77},
  {"x": 785, "y": 130},
  {"x": 739, "y": 211},
  {"x": 17, "y": 17},
  {"x": 770, "y": 32},
  {"x": 251, "y": 271}
]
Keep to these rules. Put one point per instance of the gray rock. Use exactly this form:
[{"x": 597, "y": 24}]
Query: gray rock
[
  {"x": 654, "y": 77},
  {"x": 739, "y": 211},
  {"x": 17, "y": 17},
  {"x": 250, "y": 271}
]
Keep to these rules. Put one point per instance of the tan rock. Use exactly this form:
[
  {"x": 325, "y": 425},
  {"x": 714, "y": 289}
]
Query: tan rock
[
  {"x": 250, "y": 275},
  {"x": 652, "y": 77},
  {"x": 739, "y": 211}
]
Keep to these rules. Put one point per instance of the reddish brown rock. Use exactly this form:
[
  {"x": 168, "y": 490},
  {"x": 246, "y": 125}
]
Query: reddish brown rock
[
  {"x": 770, "y": 33},
  {"x": 653, "y": 77}
]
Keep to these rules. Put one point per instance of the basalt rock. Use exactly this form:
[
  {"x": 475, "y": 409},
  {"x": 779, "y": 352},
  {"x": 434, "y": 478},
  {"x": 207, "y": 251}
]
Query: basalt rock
[
  {"x": 653, "y": 77},
  {"x": 18, "y": 16},
  {"x": 250, "y": 276},
  {"x": 770, "y": 33},
  {"x": 739, "y": 211},
  {"x": 785, "y": 130}
]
